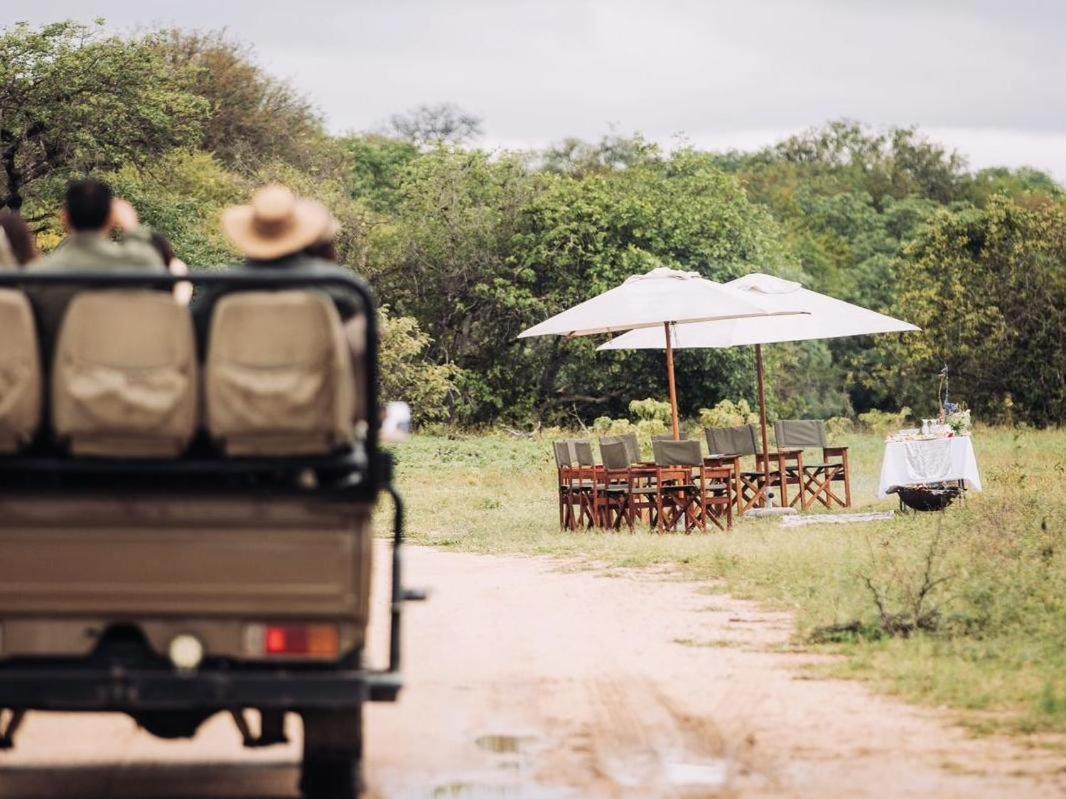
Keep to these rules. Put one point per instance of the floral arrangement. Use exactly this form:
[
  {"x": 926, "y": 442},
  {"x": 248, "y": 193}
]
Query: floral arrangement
[{"x": 957, "y": 418}]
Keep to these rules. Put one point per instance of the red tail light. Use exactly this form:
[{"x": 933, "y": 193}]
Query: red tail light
[{"x": 308, "y": 640}]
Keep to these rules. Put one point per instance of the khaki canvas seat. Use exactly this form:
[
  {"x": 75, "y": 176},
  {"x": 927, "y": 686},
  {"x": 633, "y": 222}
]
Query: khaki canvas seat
[
  {"x": 279, "y": 375},
  {"x": 20, "y": 372},
  {"x": 124, "y": 377}
]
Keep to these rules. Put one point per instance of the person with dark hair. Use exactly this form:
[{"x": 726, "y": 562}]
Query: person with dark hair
[
  {"x": 91, "y": 214},
  {"x": 18, "y": 246}
]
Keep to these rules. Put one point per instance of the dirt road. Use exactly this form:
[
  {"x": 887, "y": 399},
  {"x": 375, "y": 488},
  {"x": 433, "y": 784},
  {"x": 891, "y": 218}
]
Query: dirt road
[{"x": 529, "y": 680}]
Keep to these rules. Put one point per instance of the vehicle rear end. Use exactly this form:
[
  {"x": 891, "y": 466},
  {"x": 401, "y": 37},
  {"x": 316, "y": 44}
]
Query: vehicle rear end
[{"x": 232, "y": 576}]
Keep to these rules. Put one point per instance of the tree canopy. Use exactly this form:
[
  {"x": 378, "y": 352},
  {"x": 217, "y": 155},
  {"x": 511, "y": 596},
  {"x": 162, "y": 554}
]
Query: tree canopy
[{"x": 467, "y": 246}]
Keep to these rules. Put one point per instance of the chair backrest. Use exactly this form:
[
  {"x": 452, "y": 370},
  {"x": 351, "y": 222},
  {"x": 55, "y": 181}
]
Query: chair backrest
[
  {"x": 124, "y": 375},
  {"x": 279, "y": 375},
  {"x": 677, "y": 453},
  {"x": 615, "y": 454},
  {"x": 742, "y": 440},
  {"x": 670, "y": 437},
  {"x": 20, "y": 372},
  {"x": 629, "y": 440},
  {"x": 800, "y": 433},
  {"x": 583, "y": 453},
  {"x": 564, "y": 454}
]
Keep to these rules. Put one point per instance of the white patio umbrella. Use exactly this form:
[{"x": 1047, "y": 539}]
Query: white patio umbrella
[
  {"x": 651, "y": 304},
  {"x": 824, "y": 317}
]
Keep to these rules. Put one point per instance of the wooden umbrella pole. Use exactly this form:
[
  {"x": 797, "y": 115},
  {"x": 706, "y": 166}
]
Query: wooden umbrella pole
[
  {"x": 762, "y": 424},
  {"x": 670, "y": 380}
]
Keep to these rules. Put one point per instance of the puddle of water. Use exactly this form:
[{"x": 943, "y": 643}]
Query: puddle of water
[
  {"x": 714, "y": 774},
  {"x": 505, "y": 744}
]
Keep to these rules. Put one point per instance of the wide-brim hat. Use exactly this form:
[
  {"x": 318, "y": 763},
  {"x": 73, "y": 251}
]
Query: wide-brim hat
[{"x": 276, "y": 223}]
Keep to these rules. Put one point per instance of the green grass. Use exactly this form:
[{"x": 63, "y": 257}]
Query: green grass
[{"x": 996, "y": 650}]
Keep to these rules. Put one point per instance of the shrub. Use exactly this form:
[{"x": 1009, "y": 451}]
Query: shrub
[
  {"x": 406, "y": 375},
  {"x": 651, "y": 410},
  {"x": 728, "y": 414},
  {"x": 838, "y": 428},
  {"x": 884, "y": 422},
  {"x": 606, "y": 426}
]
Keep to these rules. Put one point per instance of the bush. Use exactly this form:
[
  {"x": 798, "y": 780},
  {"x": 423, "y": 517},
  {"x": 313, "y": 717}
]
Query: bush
[
  {"x": 406, "y": 375},
  {"x": 884, "y": 422},
  {"x": 728, "y": 414},
  {"x": 838, "y": 428},
  {"x": 651, "y": 410}
]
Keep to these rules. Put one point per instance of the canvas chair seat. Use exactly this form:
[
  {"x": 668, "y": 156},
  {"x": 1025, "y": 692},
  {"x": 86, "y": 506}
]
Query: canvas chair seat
[
  {"x": 20, "y": 372},
  {"x": 279, "y": 377},
  {"x": 124, "y": 376}
]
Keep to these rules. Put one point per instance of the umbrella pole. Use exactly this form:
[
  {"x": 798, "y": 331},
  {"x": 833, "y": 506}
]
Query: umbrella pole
[
  {"x": 670, "y": 380},
  {"x": 762, "y": 424}
]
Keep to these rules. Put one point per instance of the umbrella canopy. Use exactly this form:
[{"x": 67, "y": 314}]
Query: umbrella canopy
[
  {"x": 823, "y": 317},
  {"x": 649, "y": 300},
  {"x": 652, "y": 303}
]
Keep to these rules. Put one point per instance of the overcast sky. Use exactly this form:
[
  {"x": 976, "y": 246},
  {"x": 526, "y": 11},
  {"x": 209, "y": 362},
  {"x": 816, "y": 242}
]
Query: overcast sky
[{"x": 988, "y": 78}]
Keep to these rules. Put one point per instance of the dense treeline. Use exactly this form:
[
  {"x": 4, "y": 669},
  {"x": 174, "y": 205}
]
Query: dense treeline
[{"x": 467, "y": 246}]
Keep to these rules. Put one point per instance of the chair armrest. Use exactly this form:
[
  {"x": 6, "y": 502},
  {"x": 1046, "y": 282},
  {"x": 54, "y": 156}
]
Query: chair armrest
[{"x": 830, "y": 451}]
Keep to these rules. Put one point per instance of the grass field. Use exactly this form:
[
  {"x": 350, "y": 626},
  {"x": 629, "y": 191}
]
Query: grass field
[{"x": 974, "y": 599}]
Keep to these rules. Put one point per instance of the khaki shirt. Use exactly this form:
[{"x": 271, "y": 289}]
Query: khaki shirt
[{"x": 88, "y": 252}]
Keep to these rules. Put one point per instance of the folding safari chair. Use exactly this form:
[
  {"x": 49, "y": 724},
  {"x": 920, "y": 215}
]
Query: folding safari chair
[
  {"x": 628, "y": 490},
  {"x": 728, "y": 446},
  {"x": 815, "y": 480},
  {"x": 689, "y": 490}
]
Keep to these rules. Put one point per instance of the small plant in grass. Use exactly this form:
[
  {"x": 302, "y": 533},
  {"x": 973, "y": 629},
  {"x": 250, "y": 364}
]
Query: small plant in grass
[
  {"x": 882, "y": 422},
  {"x": 839, "y": 428},
  {"x": 910, "y": 599},
  {"x": 728, "y": 414},
  {"x": 651, "y": 410}
]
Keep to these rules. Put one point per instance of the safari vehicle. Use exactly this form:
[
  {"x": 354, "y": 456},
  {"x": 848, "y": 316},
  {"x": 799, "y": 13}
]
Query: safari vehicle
[{"x": 186, "y": 530}]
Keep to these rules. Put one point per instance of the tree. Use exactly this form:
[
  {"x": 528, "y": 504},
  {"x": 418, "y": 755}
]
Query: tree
[
  {"x": 254, "y": 118},
  {"x": 377, "y": 167},
  {"x": 898, "y": 162},
  {"x": 74, "y": 101},
  {"x": 434, "y": 125},
  {"x": 988, "y": 288},
  {"x": 577, "y": 158},
  {"x": 182, "y": 195},
  {"x": 405, "y": 373}
]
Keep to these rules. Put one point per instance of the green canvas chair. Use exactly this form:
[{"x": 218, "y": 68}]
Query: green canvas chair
[
  {"x": 814, "y": 480},
  {"x": 730, "y": 445},
  {"x": 689, "y": 489}
]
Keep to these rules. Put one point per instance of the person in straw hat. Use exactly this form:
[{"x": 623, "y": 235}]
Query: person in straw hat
[{"x": 279, "y": 230}]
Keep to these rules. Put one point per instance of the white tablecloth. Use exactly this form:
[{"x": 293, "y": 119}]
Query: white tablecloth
[{"x": 934, "y": 461}]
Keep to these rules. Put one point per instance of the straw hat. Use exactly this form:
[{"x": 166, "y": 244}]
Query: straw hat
[{"x": 276, "y": 224}]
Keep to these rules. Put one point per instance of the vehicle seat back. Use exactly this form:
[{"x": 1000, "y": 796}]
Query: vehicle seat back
[
  {"x": 124, "y": 377},
  {"x": 279, "y": 375},
  {"x": 20, "y": 372}
]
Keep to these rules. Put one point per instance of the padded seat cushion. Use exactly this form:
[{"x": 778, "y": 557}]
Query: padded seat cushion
[
  {"x": 279, "y": 375},
  {"x": 125, "y": 375},
  {"x": 20, "y": 372}
]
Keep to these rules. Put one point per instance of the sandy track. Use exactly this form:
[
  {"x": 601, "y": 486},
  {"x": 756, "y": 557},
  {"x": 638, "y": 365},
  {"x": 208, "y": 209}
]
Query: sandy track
[{"x": 531, "y": 681}]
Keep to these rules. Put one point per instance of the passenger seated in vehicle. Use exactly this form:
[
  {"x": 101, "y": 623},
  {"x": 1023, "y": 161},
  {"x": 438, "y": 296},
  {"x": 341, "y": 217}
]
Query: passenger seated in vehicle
[
  {"x": 274, "y": 232},
  {"x": 91, "y": 213},
  {"x": 17, "y": 247},
  {"x": 282, "y": 365}
]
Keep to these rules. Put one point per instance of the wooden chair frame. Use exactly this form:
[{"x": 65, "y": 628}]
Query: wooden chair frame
[{"x": 815, "y": 481}]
